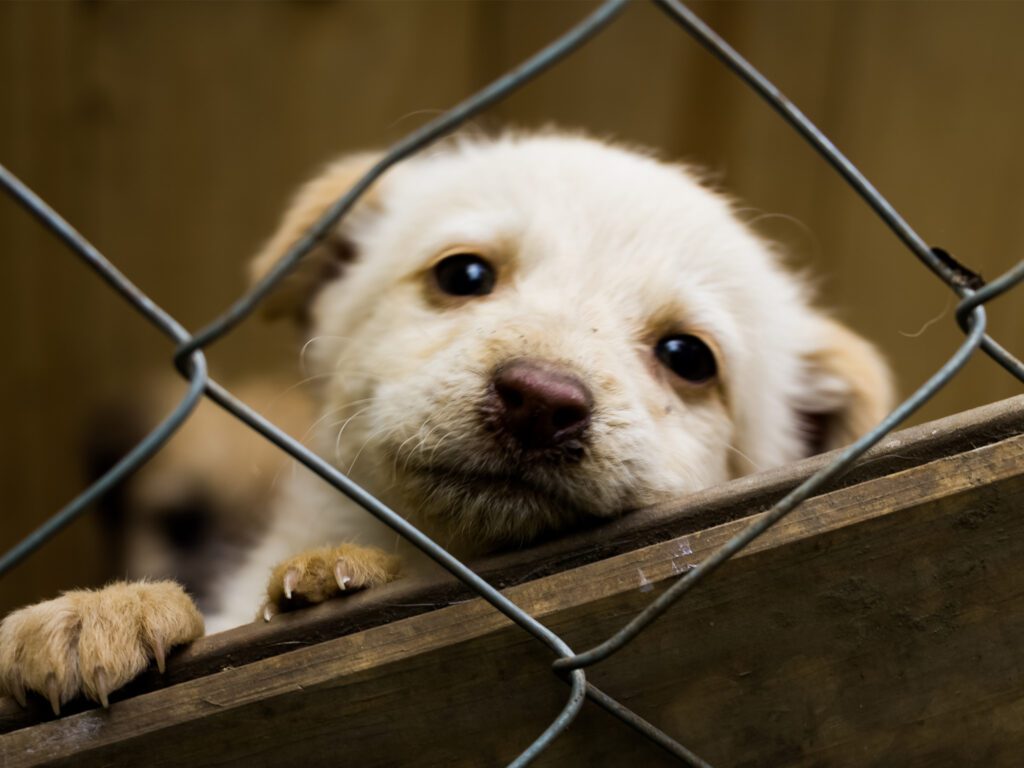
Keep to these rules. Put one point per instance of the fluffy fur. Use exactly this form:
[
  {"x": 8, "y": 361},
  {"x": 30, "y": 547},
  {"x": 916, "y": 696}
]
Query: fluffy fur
[
  {"x": 599, "y": 253},
  {"x": 92, "y": 642}
]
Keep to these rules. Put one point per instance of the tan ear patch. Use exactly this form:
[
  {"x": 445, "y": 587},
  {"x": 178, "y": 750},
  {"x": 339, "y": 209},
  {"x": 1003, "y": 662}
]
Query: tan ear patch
[
  {"x": 849, "y": 388},
  {"x": 326, "y": 261}
]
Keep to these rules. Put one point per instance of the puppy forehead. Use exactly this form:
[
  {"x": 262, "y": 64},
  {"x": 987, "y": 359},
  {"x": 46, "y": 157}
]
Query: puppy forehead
[
  {"x": 581, "y": 218},
  {"x": 587, "y": 192},
  {"x": 587, "y": 198}
]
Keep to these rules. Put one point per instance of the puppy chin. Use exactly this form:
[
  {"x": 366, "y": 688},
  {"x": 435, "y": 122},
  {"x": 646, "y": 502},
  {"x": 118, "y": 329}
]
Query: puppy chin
[{"x": 481, "y": 502}]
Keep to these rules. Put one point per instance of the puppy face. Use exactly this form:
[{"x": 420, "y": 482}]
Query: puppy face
[{"x": 514, "y": 335}]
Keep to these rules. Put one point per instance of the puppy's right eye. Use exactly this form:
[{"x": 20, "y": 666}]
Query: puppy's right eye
[
  {"x": 464, "y": 274},
  {"x": 688, "y": 357}
]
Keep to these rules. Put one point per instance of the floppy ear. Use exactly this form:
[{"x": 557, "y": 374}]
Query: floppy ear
[
  {"x": 327, "y": 260},
  {"x": 848, "y": 388}
]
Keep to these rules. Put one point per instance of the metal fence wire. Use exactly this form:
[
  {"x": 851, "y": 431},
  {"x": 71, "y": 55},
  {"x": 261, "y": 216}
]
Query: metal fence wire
[{"x": 190, "y": 360}]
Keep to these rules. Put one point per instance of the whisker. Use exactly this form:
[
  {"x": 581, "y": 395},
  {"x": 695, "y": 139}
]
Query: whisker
[
  {"x": 752, "y": 463},
  {"x": 334, "y": 412},
  {"x": 313, "y": 340},
  {"x": 367, "y": 441},
  {"x": 337, "y": 440},
  {"x": 929, "y": 323},
  {"x": 398, "y": 456},
  {"x": 439, "y": 443},
  {"x": 423, "y": 441}
]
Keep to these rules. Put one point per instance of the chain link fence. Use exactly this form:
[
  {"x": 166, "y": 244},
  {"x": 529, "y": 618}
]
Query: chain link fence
[{"x": 190, "y": 361}]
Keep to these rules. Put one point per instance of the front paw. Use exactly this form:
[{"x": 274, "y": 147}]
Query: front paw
[
  {"x": 320, "y": 574},
  {"x": 93, "y": 642}
]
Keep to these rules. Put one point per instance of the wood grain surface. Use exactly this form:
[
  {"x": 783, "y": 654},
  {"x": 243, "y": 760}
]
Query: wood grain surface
[{"x": 878, "y": 625}]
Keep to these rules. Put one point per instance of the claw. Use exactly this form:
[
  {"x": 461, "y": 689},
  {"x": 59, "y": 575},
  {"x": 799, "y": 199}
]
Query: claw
[
  {"x": 159, "y": 655},
  {"x": 341, "y": 574},
  {"x": 268, "y": 612},
  {"x": 291, "y": 580},
  {"x": 102, "y": 689},
  {"x": 18, "y": 692},
  {"x": 53, "y": 693}
]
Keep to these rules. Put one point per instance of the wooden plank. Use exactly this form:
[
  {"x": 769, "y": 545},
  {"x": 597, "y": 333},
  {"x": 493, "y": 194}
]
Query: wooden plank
[
  {"x": 741, "y": 498},
  {"x": 880, "y": 624}
]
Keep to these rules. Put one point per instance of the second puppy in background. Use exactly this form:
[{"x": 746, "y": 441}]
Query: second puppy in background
[{"x": 194, "y": 511}]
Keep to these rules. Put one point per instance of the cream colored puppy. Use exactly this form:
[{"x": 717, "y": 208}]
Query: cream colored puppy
[{"x": 511, "y": 336}]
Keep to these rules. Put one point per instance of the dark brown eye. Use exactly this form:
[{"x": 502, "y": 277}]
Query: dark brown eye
[
  {"x": 464, "y": 274},
  {"x": 688, "y": 357}
]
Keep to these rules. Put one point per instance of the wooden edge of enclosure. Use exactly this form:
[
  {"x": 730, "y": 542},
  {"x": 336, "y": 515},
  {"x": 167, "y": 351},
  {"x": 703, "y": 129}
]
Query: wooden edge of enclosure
[
  {"x": 355, "y": 690},
  {"x": 597, "y": 562}
]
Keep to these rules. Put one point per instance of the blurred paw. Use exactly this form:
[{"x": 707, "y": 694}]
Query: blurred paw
[
  {"x": 320, "y": 574},
  {"x": 93, "y": 642}
]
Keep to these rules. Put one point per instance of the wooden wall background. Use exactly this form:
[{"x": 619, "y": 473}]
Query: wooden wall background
[{"x": 172, "y": 133}]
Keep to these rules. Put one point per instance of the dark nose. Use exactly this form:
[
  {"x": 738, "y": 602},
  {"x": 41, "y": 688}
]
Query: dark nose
[{"x": 540, "y": 404}]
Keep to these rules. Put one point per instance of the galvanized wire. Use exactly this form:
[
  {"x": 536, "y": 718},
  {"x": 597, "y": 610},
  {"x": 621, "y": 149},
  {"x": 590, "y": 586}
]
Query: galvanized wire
[
  {"x": 657, "y": 736},
  {"x": 131, "y": 293},
  {"x": 996, "y": 288},
  {"x": 191, "y": 362}
]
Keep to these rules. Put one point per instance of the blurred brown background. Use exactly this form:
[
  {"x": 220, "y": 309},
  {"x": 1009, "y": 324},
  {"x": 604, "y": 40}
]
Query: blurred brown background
[{"x": 171, "y": 135}]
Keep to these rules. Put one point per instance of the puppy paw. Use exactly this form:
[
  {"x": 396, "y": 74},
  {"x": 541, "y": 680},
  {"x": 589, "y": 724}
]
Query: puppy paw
[
  {"x": 320, "y": 574},
  {"x": 93, "y": 642}
]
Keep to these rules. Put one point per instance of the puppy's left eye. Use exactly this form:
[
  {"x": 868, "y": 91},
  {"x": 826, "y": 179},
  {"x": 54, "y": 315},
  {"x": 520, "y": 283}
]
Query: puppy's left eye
[
  {"x": 464, "y": 274},
  {"x": 688, "y": 357}
]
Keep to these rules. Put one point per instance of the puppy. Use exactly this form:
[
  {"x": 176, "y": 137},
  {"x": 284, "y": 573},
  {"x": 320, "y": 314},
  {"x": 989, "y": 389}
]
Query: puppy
[
  {"x": 193, "y": 511},
  {"x": 510, "y": 336}
]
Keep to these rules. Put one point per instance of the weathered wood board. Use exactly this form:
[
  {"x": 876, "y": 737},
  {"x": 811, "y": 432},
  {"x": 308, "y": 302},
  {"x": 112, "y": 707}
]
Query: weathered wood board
[{"x": 881, "y": 624}]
